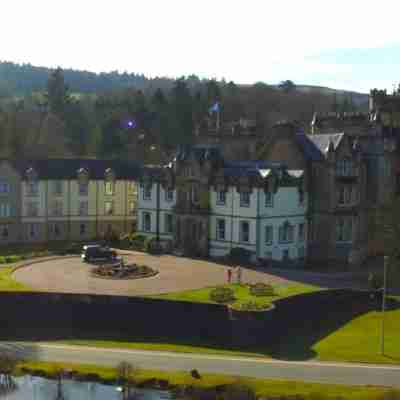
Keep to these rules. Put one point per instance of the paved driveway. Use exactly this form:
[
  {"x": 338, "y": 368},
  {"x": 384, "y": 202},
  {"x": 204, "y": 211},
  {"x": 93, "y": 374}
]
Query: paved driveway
[{"x": 175, "y": 273}]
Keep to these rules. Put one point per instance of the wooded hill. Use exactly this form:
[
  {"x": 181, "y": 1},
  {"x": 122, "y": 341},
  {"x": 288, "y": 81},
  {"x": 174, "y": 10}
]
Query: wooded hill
[{"x": 68, "y": 113}]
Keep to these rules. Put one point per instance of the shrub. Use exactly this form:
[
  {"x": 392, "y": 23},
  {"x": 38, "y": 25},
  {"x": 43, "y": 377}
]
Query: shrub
[
  {"x": 138, "y": 242},
  {"x": 251, "y": 306},
  {"x": 240, "y": 255},
  {"x": 2, "y": 260},
  {"x": 261, "y": 289},
  {"x": 153, "y": 246},
  {"x": 222, "y": 295}
]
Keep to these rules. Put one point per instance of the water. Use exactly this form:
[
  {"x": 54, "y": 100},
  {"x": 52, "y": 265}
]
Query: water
[{"x": 35, "y": 388}]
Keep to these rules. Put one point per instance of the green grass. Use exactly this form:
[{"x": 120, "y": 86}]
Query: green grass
[
  {"x": 359, "y": 340},
  {"x": 241, "y": 292},
  {"x": 7, "y": 283},
  {"x": 261, "y": 387}
]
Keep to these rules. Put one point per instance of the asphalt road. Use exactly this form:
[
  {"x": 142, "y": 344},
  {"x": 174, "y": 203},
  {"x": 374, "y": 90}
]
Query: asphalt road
[{"x": 323, "y": 372}]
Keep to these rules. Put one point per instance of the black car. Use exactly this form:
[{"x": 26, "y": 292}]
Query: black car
[{"x": 96, "y": 252}]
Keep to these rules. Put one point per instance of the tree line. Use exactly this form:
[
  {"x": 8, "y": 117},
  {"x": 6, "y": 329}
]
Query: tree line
[{"x": 133, "y": 117}]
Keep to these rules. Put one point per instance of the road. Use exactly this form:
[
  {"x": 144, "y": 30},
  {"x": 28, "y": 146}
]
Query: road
[{"x": 323, "y": 372}]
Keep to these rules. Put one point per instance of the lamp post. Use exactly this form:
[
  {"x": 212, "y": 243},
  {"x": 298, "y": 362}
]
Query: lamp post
[{"x": 385, "y": 262}]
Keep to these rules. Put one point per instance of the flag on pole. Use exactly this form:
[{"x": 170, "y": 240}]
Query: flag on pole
[{"x": 214, "y": 108}]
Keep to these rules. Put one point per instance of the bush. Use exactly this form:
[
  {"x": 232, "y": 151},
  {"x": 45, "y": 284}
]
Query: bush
[
  {"x": 261, "y": 289},
  {"x": 222, "y": 295},
  {"x": 240, "y": 255},
  {"x": 138, "y": 242},
  {"x": 153, "y": 246},
  {"x": 251, "y": 306}
]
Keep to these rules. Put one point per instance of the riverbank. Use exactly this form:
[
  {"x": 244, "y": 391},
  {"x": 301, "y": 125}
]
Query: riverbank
[{"x": 178, "y": 381}]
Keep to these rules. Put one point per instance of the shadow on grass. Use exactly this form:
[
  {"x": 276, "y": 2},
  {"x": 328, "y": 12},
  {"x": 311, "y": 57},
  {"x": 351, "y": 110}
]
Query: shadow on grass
[{"x": 288, "y": 332}]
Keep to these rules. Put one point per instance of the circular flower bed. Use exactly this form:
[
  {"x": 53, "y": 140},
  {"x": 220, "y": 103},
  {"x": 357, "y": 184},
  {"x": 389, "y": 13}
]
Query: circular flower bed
[{"x": 118, "y": 271}]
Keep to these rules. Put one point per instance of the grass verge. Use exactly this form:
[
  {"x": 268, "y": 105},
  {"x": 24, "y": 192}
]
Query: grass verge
[
  {"x": 7, "y": 283},
  {"x": 261, "y": 387}
]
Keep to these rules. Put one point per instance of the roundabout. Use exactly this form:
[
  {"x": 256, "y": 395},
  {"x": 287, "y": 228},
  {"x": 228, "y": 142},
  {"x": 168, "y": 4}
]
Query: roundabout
[{"x": 71, "y": 275}]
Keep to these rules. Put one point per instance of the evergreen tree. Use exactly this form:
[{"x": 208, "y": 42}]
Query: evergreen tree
[{"x": 57, "y": 92}]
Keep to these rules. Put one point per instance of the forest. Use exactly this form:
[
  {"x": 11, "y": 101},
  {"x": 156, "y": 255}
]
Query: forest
[{"x": 69, "y": 113}]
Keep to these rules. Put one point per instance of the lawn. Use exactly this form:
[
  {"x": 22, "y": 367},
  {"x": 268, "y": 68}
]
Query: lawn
[
  {"x": 7, "y": 283},
  {"x": 241, "y": 293},
  {"x": 261, "y": 387},
  {"x": 360, "y": 340}
]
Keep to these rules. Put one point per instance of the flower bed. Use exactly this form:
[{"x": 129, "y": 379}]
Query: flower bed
[{"x": 115, "y": 271}]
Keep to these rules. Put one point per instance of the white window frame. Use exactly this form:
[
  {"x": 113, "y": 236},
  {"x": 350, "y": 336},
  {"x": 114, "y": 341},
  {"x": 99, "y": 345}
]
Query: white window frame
[
  {"x": 221, "y": 198},
  {"x": 83, "y": 207},
  {"x": 5, "y": 210},
  {"x": 269, "y": 199},
  {"x": 146, "y": 221},
  {"x": 244, "y": 199},
  {"x": 242, "y": 232},
  {"x": 221, "y": 229},
  {"x": 109, "y": 210},
  {"x": 269, "y": 234},
  {"x": 169, "y": 195},
  {"x": 5, "y": 187},
  {"x": 146, "y": 191},
  {"x": 109, "y": 188},
  {"x": 58, "y": 188},
  {"x": 168, "y": 223},
  {"x": 83, "y": 188},
  {"x": 32, "y": 188}
]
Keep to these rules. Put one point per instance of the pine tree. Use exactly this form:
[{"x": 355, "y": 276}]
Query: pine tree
[{"x": 57, "y": 92}]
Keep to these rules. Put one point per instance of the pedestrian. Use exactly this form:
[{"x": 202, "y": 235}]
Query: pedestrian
[
  {"x": 229, "y": 275},
  {"x": 239, "y": 275}
]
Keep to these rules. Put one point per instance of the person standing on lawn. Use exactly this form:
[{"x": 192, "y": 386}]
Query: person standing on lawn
[
  {"x": 239, "y": 275},
  {"x": 229, "y": 272}
]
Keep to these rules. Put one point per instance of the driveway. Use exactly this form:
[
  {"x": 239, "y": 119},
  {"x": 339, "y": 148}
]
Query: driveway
[{"x": 71, "y": 275}]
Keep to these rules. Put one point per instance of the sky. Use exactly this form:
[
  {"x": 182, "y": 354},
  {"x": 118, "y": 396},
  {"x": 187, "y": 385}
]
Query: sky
[{"x": 352, "y": 44}]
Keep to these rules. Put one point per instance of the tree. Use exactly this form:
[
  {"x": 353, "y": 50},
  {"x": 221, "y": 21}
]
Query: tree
[
  {"x": 126, "y": 376},
  {"x": 57, "y": 92},
  {"x": 287, "y": 86}
]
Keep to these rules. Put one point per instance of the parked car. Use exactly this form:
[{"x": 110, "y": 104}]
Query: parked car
[{"x": 96, "y": 252}]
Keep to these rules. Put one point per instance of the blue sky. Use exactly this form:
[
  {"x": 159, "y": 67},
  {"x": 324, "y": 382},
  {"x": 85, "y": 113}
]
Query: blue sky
[{"x": 351, "y": 45}]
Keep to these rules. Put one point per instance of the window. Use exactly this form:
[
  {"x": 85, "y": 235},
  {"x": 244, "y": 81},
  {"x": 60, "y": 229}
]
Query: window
[
  {"x": 57, "y": 188},
  {"x": 109, "y": 188},
  {"x": 57, "y": 208},
  {"x": 147, "y": 192},
  {"x": 109, "y": 208},
  {"x": 32, "y": 208},
  {"x": 244, "y": 231},
  {"x": 131, "y": 188},
  {"x": 83, "y": 208},
  {"x": 33, "y": 230},
  {"x": 301, "y": 198},
  {"x": 169, "y": 195},
  {"x": 286, "y": 233},
  {"x": 345, "y": 168},
  {"x": 168, "y": 223},
  {"x": 5, "y": 210},
  {"x": 221, "y": 197},
  {"x": 301, "y": 232},
  {"x": 387, "y": 168},
  {"x": 132, "y": 208},
  {"x": 146, "y": 222},
  {"x": 32, "y": 188},
  {"x": 82, "y": 229},
  {"x": 83, "y": 188},
  {"x": 347, "y": 194},
  {"x": 4, "y": 232},
  {"x": 300, "y": 252},
  {"x": 344, "y": 229},
  {"x": 55, "y": 230},
  {"x": 269, "y": 234},
  {"x": 220, "y": 229},
  {"x": 195, "y": 194},
  {"x": 269, "y": 199},
  {"x": 4, "y": 187},
  {"x": 244, "y": 199},
  {"x": 285, "y": 254}
]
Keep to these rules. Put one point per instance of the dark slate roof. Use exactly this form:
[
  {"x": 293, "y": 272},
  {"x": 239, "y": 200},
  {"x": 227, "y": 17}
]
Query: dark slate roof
[
  {"x": 68, "y": 168},
  {"x": 315, "y": 147},
  {"x": 200, "y": 153}
]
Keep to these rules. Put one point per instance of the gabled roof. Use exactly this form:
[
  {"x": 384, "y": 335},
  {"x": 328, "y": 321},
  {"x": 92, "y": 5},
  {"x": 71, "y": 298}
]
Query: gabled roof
[
  {"x": 315, "y": 147},
  {"x": 68, "y": 168}
]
